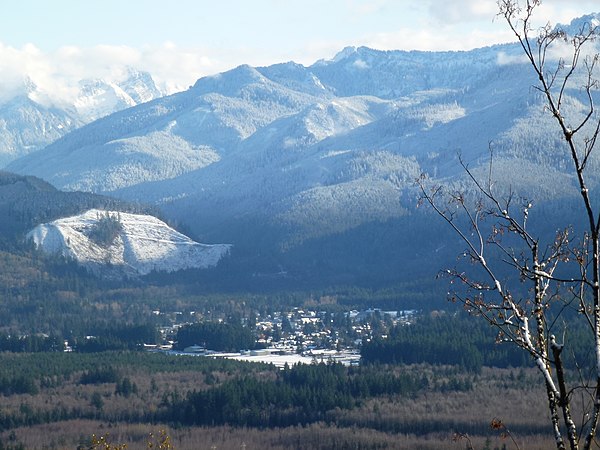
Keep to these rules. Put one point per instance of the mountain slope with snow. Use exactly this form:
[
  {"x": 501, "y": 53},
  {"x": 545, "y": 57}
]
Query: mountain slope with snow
[
  {"x": 341, "y": 141},
  {"x": 138, "y": 245},
  {"x": 280, "y": 158},
  {"x": 26, "y": 126},
  {"x": 31, "y": 118}
]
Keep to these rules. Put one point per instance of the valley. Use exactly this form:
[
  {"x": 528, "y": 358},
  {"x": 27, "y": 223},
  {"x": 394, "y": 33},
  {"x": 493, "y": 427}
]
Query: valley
[{"x": 381, "y": 249}]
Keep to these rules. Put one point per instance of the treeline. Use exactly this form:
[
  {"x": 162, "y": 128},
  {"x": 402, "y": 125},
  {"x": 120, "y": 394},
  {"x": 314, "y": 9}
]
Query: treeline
[
  {"x": 109, "y": 374},
  {"x": 299, "y": 395},
  {"x": 22, "y": 384},
  {"x": 109, "y": 366},
  {"x": 142, "y": 388},
  {"x": 89, "y": 382},
  {"x": 30, "y": 344},
  {"x": 219, "y": 336},
  {"x": 452, "y": 339},
  {"x": 116, "y": 336}
]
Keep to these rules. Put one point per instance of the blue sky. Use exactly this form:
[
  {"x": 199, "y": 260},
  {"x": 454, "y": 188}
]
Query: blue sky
[{"x": 180, "y": 40}]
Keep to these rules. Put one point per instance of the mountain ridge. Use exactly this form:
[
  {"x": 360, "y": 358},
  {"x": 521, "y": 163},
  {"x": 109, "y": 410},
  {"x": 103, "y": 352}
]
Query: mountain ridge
[{"x": 288, "y": 156}]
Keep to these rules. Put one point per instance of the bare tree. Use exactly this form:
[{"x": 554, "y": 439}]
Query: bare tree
[{"x": 551, "y": 277}]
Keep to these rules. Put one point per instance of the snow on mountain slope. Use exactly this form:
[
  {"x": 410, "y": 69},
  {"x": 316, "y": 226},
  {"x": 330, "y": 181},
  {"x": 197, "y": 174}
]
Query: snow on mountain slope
[
  {"x": 99, "y": 98},
  {"x": 264, "y": 166},
  {"x": 319, "y": 149},
  {"x": 295, "y": 76},
  {"x": 31, "y": 118},
  {"x": 251, "y": 117},
  {"x": 166, "y": 137},
  {"x": 344, "y": 161},
  {"x": 157, "y": 155},
  {"x": 26, "y": 126},
  {"x": 394, "y": 74},
  {"x": 141, "y": 244},
  {"x": 581, "y": 25},
  {"x": 140, "y": 86}
]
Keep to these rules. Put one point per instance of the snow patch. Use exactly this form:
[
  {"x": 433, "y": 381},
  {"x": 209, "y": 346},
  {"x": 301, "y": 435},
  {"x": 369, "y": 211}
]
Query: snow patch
[
  {"x": 143, "y": 245},
  {"x": 505, "y": 59},
  {"x": 360, "y": 64}
]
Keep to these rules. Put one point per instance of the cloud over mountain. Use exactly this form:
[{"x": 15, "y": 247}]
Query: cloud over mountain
[{"x": 58, "y": 73}]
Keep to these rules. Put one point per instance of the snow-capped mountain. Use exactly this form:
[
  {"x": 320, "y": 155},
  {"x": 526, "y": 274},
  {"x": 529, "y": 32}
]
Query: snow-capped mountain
[
  {"x": 26, "y": 126},
  {"x": 132, "y": 244},
  {"x": 30, "y": 119},
  {"x": 98, "y": 97},
  {"x": 303, "y": 145},
  {"x": 289, "y": 155}
]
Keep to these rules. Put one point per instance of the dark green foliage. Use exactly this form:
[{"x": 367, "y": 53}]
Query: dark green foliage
[
  {"x": 22, "y": 384},
  {"x": 300, "y": 395},
  {"x": 116, "y": 336},
  {"x": 96, "y": 344},
  {"x": 31, "y": 344},
  {"x": 100, "y": 375},
  {"x": 236, "y": 393},
  {"x": 216, "y": 336},
  {"x": 97, "y": 401},
  {"x": 31, "y": 373},
  {"x": 106, "y": 229},
  {"x": 106, "y": 367},
  {"x": 125, "y": 387},
  {"x": 448, "y": 339}
]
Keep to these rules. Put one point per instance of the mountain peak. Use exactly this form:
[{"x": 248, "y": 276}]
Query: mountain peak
[
  {"x": 230, "y": 82},
  {"x": 582, "y": 25},
  {"x": 344, "y": 53},
  {"x": 140, "y": 86}
]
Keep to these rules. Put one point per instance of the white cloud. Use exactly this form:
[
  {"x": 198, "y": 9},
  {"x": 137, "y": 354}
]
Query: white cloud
[
  {"x": 360, "y": 64},
  {"x": 366, "y": 7},
  {"x": 466, "y": 24},
  {"x": 461, "y": 11},
  {"x": 428, "y": 39},
  {"x": 465, "y": 11},
  {"x": 177, "y": 68},
  {"x": 56, "y": 74},
  {"x": 19, "y": 65},
  {"x": 504, "y": 59},
  {"x": 381, "y": 24},
  {"x": 560, "y": 11}
]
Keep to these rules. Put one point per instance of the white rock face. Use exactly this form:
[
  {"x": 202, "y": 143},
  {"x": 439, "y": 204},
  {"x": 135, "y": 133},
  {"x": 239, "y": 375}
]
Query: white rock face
[{"x": 144, "y": 244}]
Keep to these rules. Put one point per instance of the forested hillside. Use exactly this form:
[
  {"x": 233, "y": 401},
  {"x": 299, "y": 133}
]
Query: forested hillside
[{"x": 28, "y": 201}]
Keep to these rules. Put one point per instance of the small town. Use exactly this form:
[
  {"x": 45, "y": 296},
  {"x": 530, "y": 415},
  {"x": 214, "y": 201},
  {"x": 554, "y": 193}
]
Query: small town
[{"x": 299, "y": 336}]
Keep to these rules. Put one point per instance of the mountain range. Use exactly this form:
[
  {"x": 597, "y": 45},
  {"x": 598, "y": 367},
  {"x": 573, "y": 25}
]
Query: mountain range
[
  {"x": 314, "y": 168},
  {"x": 30, "y": 120}
]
